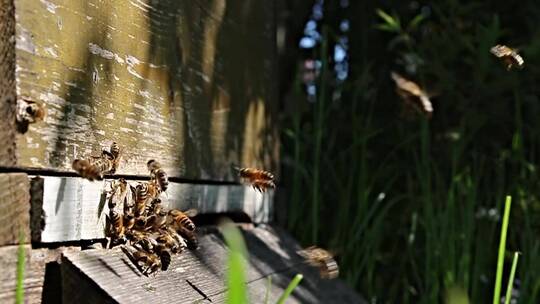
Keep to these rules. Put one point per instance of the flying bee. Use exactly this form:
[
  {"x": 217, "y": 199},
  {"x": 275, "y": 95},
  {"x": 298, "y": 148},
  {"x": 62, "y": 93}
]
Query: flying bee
[
  {"x": 181, "y": 219},
  {"x": 413, "y": 95},
  {"x": 323, "y": 260},
  {"x": 509, "y": 56},
  {"x": 254, "y": 174},
  {"x": 158, "y": 174},
  {"x": 260, "y": 180}
]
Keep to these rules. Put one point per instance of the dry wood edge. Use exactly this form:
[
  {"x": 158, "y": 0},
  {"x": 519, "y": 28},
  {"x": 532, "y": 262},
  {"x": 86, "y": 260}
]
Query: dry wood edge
[
  {"x": 75, "y": 209},
  {"x": 7, "y": 84}
]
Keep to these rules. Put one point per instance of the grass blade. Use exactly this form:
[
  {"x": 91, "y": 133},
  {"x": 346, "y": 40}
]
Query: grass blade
[
  {"x": 237, "y": 257},
  {"x": 502, "y": 248},
  {"x": 268, "y": 287},
  {"x": 511, "y": 279},
  {"x": 21, "y": 261},
  {"x": 292, "y": 285}
]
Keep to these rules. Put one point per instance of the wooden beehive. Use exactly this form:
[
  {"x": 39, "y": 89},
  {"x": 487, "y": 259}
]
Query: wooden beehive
[{"x": 189, "y": 83}]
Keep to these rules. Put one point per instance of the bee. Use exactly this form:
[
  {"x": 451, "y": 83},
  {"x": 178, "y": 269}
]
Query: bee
[
  {"x": 165, "y": 256},
  {"x": 30, "y": 111},
  {"x": 260, "y": 180},
  {"x": 150, "y": 261},
  {"x": 413, "y": 95},
  {"x": 86, "y": 169},
  {"x": 190, "y": 236},
  {"x": 321, "y": 259},
  {"x": 253, "y": 174},
  {"x": 119, "y": 191},
  {"x": 129, "y": 221},
  {"x": 155, "y": 222},
  {"x": 155, "y": 207},
  {"x": 143, "y": 191},
  {"x": 92, "y": 169},
  {"x": 117, "y": 225},
  {"x": 170, "y": 239},
  {"x": 158, "y": 174},
  {"x": 115, "y": 150},
  {"x": 141, "y": 240},
  {"x": 181, "y": 219},
  {"x": 116, "y": 153},
  {"x": 509, "y": 56}
]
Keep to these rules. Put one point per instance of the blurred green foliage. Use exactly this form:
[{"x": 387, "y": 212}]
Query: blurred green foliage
[{"x": 410, "y": 205}]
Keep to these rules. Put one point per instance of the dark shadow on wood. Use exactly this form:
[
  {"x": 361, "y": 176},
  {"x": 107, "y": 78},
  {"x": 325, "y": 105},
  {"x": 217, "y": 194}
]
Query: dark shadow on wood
[{"x": 52, "y": 285}]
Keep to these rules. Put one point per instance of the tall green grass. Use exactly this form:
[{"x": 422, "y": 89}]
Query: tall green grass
[
  {"x": 368, "y": 183},
  {"x": 21, "y": 262}
]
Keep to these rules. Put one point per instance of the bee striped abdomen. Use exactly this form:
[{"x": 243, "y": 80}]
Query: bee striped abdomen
[
  {"x": 255, "y": 174},
  {"x": 162, "y": 179},
  {"x": 182, "y": 219}
]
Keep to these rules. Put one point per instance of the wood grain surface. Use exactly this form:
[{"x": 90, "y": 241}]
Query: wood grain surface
[
  {"x": 14, "y": 208},
  {"x": 272, "y": 253},
  {"x": 7, "y": 84},
  {"x": 189, "y": 83},
  {"x": 39, "y": 270}
]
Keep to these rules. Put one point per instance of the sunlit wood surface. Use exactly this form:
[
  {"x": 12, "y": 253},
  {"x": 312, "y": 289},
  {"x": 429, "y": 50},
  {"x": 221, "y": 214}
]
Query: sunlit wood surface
[{"x": 189, "y": 83}]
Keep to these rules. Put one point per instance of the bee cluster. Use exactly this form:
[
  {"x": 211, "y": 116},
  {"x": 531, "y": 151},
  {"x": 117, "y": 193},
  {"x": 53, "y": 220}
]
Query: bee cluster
[
  {"x": 137, "y": 221},
  {"x": 148, "y": 233}
]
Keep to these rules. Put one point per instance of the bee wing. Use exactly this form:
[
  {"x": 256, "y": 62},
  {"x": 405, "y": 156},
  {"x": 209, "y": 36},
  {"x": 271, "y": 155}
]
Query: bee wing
[
  {"x": 501, "y": 50},
  {"x": 406, "y": 85},
  {"x": 191, "y": 212}
]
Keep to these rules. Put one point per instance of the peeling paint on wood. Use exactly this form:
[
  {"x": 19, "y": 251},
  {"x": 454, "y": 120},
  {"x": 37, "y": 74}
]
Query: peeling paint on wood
[
  {"x": 184, "y": 82},
  {"x": 75, "y": 208}
]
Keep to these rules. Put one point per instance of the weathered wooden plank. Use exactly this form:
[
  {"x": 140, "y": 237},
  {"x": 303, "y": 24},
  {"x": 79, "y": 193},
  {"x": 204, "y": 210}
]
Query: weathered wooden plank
[
  {"x": 14, "y": 208},
  {"x": 189, "y": 83},
  {"x": 75, "y": 208},
  {"x": 37, "y": 214},
  {"x": 7, "y": 84},
  {"x": 206, "y": 269},
  {"x": 39, "y": 265}
]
